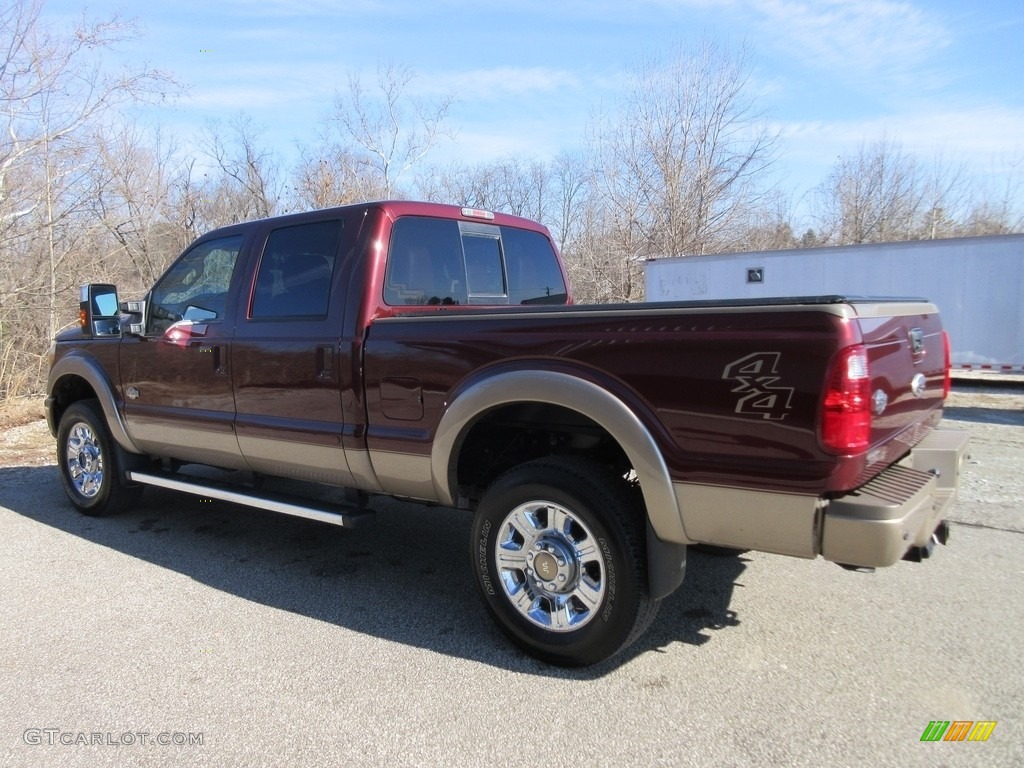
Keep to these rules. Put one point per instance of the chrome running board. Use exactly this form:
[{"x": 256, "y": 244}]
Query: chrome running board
[{"x": 324, "y": 512}]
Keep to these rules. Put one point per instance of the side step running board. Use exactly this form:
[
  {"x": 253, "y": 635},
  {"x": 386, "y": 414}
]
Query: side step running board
[{"x": 335, "y": 514}]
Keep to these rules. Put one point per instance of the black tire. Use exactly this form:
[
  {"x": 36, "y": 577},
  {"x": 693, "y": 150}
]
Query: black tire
[
  {"x": 90, "y": 463},
  {"x": 571, "y": 588}
]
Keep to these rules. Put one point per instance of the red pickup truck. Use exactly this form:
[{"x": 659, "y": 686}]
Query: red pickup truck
[{"x": 432, "y": 352}]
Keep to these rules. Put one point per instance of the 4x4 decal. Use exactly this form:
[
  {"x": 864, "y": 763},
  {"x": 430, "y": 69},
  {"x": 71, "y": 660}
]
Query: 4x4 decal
[{"x": 756, "y": 376}]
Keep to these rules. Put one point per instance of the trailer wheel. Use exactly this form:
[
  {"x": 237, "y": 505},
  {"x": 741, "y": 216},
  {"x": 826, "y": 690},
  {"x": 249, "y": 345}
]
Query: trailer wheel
[
  {"x": 558, "y": 553},
  {"x": 89, "y": 463}
]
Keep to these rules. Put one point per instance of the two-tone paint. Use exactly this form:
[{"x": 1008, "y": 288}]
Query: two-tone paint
[{"x": 716, "y": 407}]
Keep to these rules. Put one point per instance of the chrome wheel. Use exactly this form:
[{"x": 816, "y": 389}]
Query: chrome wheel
[
  {"x": 550, "y": 566},
  {"x": 84, "y": 460},
  {"x": 91, "y": 465},
  {"x": 558, "y": 554}
]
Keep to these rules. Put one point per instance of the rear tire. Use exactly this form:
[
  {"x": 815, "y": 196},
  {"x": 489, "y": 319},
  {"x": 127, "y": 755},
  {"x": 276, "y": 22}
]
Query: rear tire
[
  {"x": 558, "y": 554},
  {"x": 90, "y": 463}
]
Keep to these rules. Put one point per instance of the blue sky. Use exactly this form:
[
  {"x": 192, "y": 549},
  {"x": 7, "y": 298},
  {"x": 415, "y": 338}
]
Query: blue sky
[{"x": 941, "y": 76}]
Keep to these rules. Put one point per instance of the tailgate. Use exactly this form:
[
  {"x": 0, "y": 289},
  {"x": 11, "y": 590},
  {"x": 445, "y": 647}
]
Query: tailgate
[{"x": 906, "y": 361}]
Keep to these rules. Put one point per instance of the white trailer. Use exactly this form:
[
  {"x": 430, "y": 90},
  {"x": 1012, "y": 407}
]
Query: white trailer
[{"x": 976, "y": 282}]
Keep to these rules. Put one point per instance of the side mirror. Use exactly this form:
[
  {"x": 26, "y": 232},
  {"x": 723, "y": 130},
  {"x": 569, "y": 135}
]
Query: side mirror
[{"x": 98, "y": 310}]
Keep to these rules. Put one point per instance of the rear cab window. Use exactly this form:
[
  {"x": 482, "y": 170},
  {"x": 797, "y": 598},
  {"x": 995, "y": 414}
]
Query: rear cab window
[{"x": 444, "y": 262}]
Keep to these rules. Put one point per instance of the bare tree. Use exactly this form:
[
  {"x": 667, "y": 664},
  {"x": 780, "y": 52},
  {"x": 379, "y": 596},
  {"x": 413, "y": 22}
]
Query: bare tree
[
  {"x": 769, "y": 227},
  {"x": 328, "y": 174},
  {"x": 677, "y": 166},
  {"x": 570, "y": 178},
  {"x": 513, "y": 185},
  {"x": 873, "y": 196},
  {"x": 683, "y": 157},
  {"x": 54, "y": 92},
  {"x": 997, "y": 208},
  {"x": 882, "y": 193},
  {"x": 246, "y": 181},
  {"x": 133, "y": 194},
  {"x": 474, "y": 186},
  {"x": 394, "y": 129}
]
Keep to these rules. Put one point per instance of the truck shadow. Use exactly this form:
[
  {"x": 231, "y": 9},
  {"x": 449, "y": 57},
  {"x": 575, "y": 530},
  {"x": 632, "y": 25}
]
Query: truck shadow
[{"x": 404, "y": 577}]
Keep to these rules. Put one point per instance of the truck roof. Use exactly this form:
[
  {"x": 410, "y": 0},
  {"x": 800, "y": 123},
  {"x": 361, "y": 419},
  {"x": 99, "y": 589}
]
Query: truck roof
[{"x": 393, "y": 209}]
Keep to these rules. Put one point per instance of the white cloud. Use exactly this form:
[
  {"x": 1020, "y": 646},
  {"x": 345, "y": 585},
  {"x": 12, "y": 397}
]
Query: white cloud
[
  {"x": 881, "y": 41},
  {"x": 987, "y": 143},
  {"x": 970, "y": 132}
]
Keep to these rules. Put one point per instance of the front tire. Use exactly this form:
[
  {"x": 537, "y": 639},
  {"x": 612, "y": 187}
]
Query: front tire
[
  {"x": 89, "y": 463},
  {"x": 558, "y": 554}
]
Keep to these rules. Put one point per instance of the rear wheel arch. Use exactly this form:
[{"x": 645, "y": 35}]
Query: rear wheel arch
[
  {"x": 570, "y": 394},
  {"x": 516, "y": 433}
]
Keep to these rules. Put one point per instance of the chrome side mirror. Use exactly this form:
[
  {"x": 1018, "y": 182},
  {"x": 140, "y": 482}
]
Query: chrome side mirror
[{"x": 98, "y": 310}]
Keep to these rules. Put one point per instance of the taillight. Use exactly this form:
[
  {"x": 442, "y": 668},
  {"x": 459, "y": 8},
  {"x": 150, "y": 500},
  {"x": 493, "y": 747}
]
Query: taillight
[
  {"x": 846, "y": 406},
  {"x": 947, "y": 382}
]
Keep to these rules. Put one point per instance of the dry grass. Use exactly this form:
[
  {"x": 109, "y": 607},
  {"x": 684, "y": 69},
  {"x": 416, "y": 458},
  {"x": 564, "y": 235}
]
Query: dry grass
[
  {"x": 25, "y": 439},
  {"x": 19, "y": 411}
]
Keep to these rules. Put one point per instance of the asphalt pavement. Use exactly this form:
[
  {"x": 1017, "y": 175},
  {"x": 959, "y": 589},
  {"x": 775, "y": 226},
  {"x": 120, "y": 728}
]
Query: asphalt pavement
[{"x": 206, "y": 634}]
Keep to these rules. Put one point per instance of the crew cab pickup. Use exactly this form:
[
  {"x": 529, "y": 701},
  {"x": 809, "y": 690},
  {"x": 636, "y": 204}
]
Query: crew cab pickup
[{"x": 431, "y": 352}]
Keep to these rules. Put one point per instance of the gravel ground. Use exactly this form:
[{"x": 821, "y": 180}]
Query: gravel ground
[{"x": 986, "y": 410}]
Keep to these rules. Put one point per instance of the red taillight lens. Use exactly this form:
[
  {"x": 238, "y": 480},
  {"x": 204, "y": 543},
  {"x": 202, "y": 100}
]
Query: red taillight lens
[
  {"x": 846, "y": 407},
  {"x": 948, "y": 359}
]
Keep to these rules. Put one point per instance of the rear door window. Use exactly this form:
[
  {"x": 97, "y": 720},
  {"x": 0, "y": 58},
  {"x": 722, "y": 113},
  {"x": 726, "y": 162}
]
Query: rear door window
[{"x": 295, "y": 272}]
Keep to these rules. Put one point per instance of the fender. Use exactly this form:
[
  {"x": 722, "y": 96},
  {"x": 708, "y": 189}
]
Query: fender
[
  {"x": 666, "y": 537},
  {"x": 75, "y": 363},
  {"x": 572, "y": 393}
]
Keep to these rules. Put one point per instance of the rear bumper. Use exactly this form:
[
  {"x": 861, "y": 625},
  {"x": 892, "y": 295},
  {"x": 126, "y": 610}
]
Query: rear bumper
[{"x": 900, "y": 512}]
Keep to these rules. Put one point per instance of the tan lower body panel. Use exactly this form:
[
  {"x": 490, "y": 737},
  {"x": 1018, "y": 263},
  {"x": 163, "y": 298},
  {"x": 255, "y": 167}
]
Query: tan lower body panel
[
  {"x": 301, "y": 461},
  {"x": 216, "y": 445},
  {"x": 872, "y": 526},
  {"x": 787, "y": 524},
  {"x": 404, "y": 474}
]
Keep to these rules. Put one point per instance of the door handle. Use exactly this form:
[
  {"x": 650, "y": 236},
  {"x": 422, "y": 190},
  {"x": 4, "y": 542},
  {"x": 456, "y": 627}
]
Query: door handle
[
  {"x": 325, "y": 363},
  {"x": 219, "y": 360}
]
